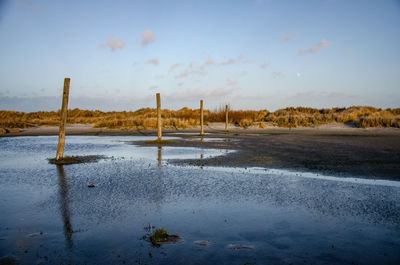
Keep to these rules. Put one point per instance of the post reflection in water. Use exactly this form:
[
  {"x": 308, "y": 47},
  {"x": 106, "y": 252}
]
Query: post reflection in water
[
  {"x": 159, "y": 158},
  {"x": 64, "y": 207}
]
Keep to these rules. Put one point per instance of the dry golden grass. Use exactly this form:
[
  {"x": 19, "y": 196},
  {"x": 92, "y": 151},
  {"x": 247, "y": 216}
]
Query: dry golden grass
[
  {"x": 146, "y": 118},
  {"x": 360, "y": 116}
]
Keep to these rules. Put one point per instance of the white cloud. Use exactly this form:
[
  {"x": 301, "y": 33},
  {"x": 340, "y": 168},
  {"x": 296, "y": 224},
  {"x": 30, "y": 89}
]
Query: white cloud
[
  {"x": 153, "y": 61},
  {"x": 113, "y": 43},
  {"x": 315, "y": 48},
  {"x": 148, "y": 37},
  {"x": 289, "y": 37},
  {"x": 264, "y": 65},
  {"x": 298, "y": 74}
]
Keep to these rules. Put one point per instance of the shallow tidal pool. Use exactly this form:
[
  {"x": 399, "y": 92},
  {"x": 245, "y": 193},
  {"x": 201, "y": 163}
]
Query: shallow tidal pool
[{"x": 49, "y": 215}]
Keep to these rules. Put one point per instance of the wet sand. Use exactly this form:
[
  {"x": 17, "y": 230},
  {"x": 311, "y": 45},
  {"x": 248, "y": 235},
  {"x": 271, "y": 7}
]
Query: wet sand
[
  {"x": 99, "y": 213},
  {"x": 332, "y": 149}
]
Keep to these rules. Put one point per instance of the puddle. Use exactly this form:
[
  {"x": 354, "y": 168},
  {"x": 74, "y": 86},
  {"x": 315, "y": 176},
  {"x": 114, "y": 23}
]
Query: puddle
[{"x": 224, "y": 215}]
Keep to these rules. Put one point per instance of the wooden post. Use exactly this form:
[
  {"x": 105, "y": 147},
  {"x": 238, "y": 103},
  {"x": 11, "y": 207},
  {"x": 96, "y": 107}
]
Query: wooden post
[
  {"x": 63, "y": 120},
  {"x": 159, "y": 133},
  {"x": 226, "y": 118},
  {"x": 201, "y": 118}
]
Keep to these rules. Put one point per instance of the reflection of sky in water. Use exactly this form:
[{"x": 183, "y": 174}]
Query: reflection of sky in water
[{"x": 286, "y": 216}]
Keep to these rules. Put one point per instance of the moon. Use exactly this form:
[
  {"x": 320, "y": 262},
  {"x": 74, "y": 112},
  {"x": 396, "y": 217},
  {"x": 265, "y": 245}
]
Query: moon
[{"x": 298, "y": 74}]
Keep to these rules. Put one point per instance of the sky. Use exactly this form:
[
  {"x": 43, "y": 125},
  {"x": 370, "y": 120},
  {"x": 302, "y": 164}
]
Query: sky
[{"x": 250, "y": 54}]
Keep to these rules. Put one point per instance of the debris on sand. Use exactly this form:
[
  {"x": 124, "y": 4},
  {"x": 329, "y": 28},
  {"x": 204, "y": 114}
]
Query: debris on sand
[
  {"x": 236, "y": 247},
  {"x": 67, "y": 160},
  {"x": 204, "y": 243},
  {"x": 162, "y": 236}
]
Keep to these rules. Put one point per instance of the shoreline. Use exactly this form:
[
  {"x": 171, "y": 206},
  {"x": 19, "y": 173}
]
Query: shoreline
[{"x": 213, "y": 128}]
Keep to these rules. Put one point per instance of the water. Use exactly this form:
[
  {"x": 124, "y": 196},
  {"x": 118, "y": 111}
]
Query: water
[{"x": 49, "y": 215}]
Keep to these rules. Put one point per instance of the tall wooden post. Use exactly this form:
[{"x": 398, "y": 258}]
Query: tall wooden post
[
  {"x": 63, "y": 120},
  {"x": 226, "y": 118},
  {"x": 201, "y": 118},
  {"x": 159, "y": 133}
]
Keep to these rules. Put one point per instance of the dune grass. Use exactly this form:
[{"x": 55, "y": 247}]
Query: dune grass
[
  {"x": 359, "y": 116},
  {"x": 146, "y": 118}
]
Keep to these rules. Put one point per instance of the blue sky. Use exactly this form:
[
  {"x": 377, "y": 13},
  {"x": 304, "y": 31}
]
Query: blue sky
[{"x": 252, "y": 54}]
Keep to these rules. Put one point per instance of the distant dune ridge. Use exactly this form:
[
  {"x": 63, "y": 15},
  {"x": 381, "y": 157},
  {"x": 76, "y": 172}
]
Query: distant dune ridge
[{"x": 358, "y": 116}]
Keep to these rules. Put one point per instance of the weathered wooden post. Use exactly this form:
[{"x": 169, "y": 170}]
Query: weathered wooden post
[
  {"x": 159, "y": 133},
  {"x": 226, "y": 118},
  {"x": 201, "y": 118},
  {"x": 63, "y": 120}
]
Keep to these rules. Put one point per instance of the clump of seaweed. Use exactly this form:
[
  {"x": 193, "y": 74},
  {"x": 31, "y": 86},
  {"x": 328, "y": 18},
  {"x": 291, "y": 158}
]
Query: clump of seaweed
[
  {"x": 162, "y": 236},
  {"x": 68, "y": 160}
]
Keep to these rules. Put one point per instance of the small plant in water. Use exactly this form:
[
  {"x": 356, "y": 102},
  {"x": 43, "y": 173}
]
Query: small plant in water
[{"x": 162, "y": 236}]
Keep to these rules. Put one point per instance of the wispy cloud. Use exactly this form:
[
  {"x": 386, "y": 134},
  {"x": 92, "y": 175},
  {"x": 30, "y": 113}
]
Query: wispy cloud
[
  {"x": 264, "y": 65},
  {"x": 289, "y": 37},
  {"x": 232, "y": 60},
  {"x": 315, "y": 48},
  {"x": 277, "y": 74},
  {"x": 312, "y": 94},
  {"x": 209, "y": 61},
  {"x": 192, "y": 69},
  {"x": 148, "y": 37},
  {"x": 230, "y": 82},
  {"x": 153, "y": 61},
  {"x": 174, "y": 66},
  {"x": 113, "y": 43},
  {"x": 199, "y": 93},
  {"x": 229, "y": 61}
]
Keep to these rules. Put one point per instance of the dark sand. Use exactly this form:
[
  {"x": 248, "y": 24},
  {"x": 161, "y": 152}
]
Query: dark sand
[{"x": 335, "y": 150}]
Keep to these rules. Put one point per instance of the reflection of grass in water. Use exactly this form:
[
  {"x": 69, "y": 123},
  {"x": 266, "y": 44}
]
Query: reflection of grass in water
[{"x": 67, "y": 160}]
